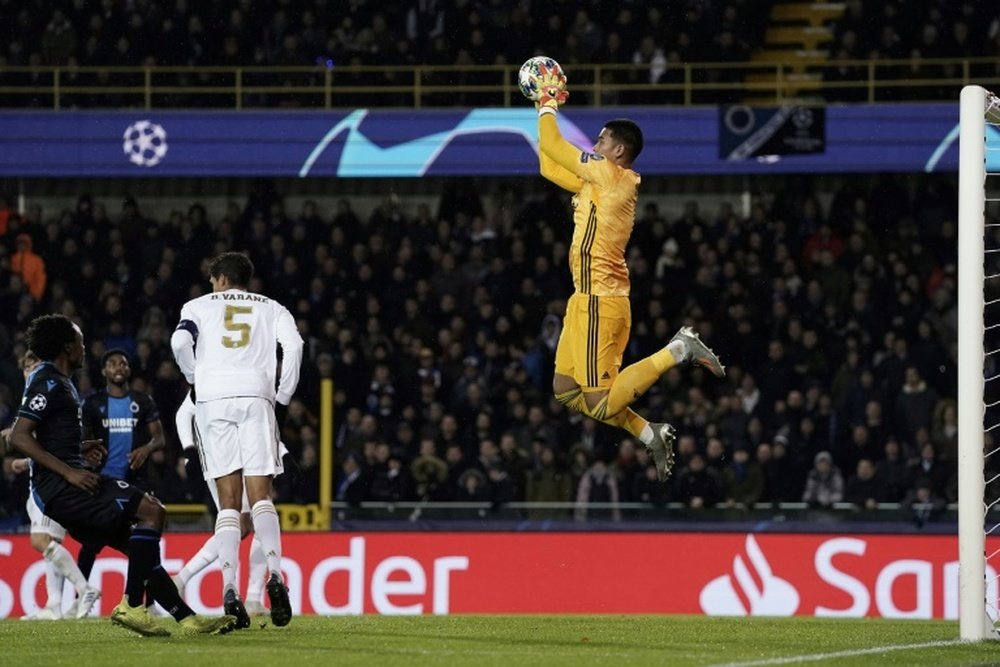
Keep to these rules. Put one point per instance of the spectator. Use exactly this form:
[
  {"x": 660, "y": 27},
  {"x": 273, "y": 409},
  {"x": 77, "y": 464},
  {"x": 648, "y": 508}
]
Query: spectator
[
  {"x": 929, "y": 471},
  {"x": 305, "y": 481},
  {"x": 893, "y": 473},
  {"x": 392, "y": 483},
  {"x": 860, "y": 447},
  {"x": 698, "y": 486},
  {"x": 864, "y": 489},
  {"x": 502, "y": 487},
  {"x": 824, "y": 485},
  {"x": 354, "y": 485},
  {"x": 944, "y": 431},
  {"x": 648, "y": 489},
  {"x": 473, "y": 487},
  {"x": 515, "y": 463},
  {"x": 548, "y": 483},
  {"x": 915, "y": 405},
  {"x": 923, "y": 504},
  {"x": 597, "y": 486},
  {"x": 30, "y": 266},
  {"x": 743, "y": 480},
  {"x": 429, "y": 473},
  {"x": 625, "y": 467}
]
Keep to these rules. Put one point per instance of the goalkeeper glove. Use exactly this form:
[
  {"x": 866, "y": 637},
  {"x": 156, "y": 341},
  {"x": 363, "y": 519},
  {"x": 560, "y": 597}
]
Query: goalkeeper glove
[{"x": 552, "y": 91}]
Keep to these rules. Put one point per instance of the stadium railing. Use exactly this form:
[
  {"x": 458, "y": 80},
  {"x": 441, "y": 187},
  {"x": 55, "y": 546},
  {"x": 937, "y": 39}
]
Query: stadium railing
[{"x": 327, "y": 85}]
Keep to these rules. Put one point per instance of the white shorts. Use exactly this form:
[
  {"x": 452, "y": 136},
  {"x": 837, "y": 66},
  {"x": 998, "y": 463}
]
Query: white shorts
[
  {"x": 213, "y": 488},
  {"x": 238, "y": 434},
  {"x": 43, "y": 524}
]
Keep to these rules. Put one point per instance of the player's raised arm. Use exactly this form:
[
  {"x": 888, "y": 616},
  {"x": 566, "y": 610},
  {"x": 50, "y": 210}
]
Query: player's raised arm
[
  {"x": 556, "y": 156},
  {"x": 542, "y": 81},
  {"x": 549, "y": 168},
  {"x": 564, "y": 178}
]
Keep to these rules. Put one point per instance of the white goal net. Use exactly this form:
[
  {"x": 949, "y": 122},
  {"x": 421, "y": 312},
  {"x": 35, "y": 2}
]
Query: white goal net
[{"x": 978, "y": 361}]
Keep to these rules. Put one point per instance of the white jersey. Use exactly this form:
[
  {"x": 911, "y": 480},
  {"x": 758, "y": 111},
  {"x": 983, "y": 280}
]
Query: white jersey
[{"x": 226, "y": 345}]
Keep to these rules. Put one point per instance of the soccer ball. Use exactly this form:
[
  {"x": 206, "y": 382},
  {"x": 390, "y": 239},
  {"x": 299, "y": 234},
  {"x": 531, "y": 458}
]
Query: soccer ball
[
  {"x": 145, "y": 143},
  {"x": 531, "y": 70}
]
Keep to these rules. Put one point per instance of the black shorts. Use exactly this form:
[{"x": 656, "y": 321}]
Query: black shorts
[{"x": 97, "y": 519}]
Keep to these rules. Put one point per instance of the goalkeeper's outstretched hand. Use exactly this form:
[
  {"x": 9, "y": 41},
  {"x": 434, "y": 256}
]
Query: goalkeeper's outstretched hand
[{"x": 552, "y": 91}]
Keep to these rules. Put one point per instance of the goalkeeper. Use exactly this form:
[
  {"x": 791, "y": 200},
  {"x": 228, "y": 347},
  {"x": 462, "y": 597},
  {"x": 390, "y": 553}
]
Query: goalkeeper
[{"x": 598, "y": 316}]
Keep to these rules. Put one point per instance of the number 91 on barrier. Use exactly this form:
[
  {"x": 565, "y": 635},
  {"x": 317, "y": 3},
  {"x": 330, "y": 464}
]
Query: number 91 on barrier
[{"x": 311, "y": 517}]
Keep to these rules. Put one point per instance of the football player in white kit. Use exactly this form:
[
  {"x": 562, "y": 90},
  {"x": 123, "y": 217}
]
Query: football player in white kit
[
  {"x": 209, "y": 552},
  {"x": 226, "y": 346}
]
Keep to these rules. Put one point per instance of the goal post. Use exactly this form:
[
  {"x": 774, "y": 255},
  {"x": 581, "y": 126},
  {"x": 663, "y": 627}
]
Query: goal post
[{"x": 975, "y": 622}]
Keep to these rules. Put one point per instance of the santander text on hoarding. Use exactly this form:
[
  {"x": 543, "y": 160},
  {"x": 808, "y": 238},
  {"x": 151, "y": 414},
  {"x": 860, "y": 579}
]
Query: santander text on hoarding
[{"x": 895, "y": 576}]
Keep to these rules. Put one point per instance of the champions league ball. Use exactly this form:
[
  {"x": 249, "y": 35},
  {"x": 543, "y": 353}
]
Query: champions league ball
[
  {"x": 145, "y": 143},
  {"x": 532, "y": 70}
]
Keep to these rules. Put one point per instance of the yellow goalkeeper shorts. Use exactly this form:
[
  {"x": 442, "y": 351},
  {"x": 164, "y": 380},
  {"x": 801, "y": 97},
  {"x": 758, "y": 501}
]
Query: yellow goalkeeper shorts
[{"x": 594, "y": 335}]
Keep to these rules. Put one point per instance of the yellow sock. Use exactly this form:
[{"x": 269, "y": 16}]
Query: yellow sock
[
  {"x": 629, "y": 420},
  {"x": 626, "y": 419},
  {"x": 664, "y": 360},
  {"x": 636, "y": 379}
]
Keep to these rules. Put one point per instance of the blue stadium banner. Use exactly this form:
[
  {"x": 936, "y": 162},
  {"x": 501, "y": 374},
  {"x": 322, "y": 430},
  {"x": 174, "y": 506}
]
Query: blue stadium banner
[
  {"x": 748, "y": 132},
  {"x": 415, "y": 143}
]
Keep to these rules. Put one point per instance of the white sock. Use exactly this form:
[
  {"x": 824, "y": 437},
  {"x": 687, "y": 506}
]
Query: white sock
[
  {"x": 53, "y": 586},
  {"x": 207, "y": 555},
  {"x": 227, "y": 540},
  {"x": 679, "y": 349},
  {"x": 258, "y": 571},
  {"x": 646, "y": 435},
  {"x": 268, "y": 531},
  {"x": 62, "y": 560}
]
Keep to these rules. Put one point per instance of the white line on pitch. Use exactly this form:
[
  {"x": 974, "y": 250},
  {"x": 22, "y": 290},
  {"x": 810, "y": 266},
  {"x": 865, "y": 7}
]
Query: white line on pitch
[{"x": 813, "y": 657}]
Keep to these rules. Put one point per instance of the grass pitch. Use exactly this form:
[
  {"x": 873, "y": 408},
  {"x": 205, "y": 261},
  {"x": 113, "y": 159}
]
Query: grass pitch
[{"x": 504, "y": 641}]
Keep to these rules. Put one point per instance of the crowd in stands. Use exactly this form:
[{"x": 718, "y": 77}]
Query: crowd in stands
[
  {"x": 918, "y": 32},
  {"x": 837, "y": 324},
  {"x": 657, "y": 37},
  {"x": 328, "y": 35},
  {"x": 435, "y": 32}
]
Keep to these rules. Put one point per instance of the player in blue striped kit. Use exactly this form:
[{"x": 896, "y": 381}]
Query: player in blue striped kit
[{"x": 128, "y": 422}]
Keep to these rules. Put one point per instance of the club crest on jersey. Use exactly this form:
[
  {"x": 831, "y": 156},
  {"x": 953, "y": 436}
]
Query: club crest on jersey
[
  {"x": 38, "y": 402},
  {"x": 121, "y": 484},
  {"x": 134, "y": 407}
]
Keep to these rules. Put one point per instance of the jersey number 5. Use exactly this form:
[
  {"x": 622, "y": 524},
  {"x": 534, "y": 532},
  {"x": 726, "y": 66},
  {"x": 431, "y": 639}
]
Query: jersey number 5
[{"x": 241, "y": 328}]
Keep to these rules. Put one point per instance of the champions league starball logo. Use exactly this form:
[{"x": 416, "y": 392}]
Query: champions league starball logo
[
  {"x": 145, "y": 143},
  {"x": 37, "y": 403}
]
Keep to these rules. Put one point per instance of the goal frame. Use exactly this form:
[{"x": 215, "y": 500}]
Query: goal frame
[{"x": 974, "y": 621}]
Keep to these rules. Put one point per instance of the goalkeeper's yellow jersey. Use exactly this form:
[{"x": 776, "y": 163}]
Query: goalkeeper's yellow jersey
[{"x": 603, "y": 210}]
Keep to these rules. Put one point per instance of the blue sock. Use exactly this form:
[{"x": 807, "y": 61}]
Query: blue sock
[{"x": 143, "y": 556}]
